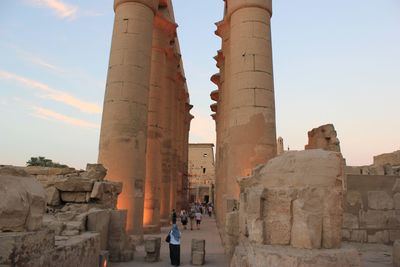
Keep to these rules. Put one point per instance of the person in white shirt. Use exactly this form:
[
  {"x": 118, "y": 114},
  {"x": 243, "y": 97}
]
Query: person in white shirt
[
  {"x": 175, "y": 245},
  {"x": 198, "y": 219}
]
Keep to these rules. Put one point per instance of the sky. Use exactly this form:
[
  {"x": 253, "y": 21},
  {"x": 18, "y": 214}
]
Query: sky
[{"x": 334, "y": 62}]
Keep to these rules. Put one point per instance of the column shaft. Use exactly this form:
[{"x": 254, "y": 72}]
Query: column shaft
[{"x": 123, "y": 135}]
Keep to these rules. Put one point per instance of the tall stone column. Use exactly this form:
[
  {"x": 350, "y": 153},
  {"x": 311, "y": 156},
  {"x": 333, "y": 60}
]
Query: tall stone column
[
  {"x": 161, "y": 42},
  {"x": 167, "y": 150},
  {"x": 179, "y": 139},
  {"x": 222, "y": 118},
  {"x": 251, "y": 129},
  {"x": 123, "y": 135}
]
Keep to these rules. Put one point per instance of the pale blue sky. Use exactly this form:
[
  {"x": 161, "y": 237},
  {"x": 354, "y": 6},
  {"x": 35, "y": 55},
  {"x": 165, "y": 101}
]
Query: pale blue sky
[{"x": 334, "y": 62}]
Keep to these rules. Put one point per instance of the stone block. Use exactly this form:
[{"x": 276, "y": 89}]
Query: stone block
[
  {"x": 98, "y": 221},
  {"x": 379, "y": 200},
  {"x": 70, "y": 232},
  {"x": 247, "y": 255},
  {"x": 381, "y": 237},
  {"x": 346, "y": 234},
  {"x": 106, "y": 193},
  {"x": 198, "y": 258},
  {"x": 19, "y": 248},
  {"x": 75, "y": 197},
  {"x": 22, "y": 205},
  {"x": 359, "y": 236},
  {"x": 52, "y": 223},
  {"x": 396, "y": 186},
  {"x": 75, "y": 184},
  {"x": 394, "y": 235},
  {"x": 118, "y": 244},
  {"x": 152, "y": 246},
  {"x": 350, "y": 221},
  {"x": 277, "y": 216},
  {"x": 198, "y": 245},
  {"x": 374, "y": 219},
  {"x": 95, "y": 172},
  {"x": 396, "y": 201},
  {"x": 53, "y": 196},
  {"x": 332, "y": 218},
  {"x": 307, "y": 220},
  {"x": 396, "y": 253}
]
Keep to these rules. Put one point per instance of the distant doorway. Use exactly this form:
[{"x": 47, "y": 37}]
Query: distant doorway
[{"x": 206, "y": 198}]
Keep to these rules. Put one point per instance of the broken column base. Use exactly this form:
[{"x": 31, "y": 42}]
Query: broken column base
[
  {"x": 151, "y": 229},
  {"x": 285, "y": 256}
]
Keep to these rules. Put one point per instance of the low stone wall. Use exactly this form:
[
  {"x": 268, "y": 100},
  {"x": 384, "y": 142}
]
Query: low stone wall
[{"x": 372, "y": 209}]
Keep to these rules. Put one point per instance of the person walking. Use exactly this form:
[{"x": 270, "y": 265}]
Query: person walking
[
  {"x": 173, "y": 216},
  {"x": 175, "y": 245},
  {"x": 191, "y": 217},
  {"x": 198, "y": 219},
  {"x": 210, "y": 209},
  {"x": 184, "y": 218}
]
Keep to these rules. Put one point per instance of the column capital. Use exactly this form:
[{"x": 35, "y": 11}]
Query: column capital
[
  {"x": 222, "y": 28},
  {"x": 219, "y": 58},
  {"x": 214, "y": 107},
  {"x": 234, "y": 5},
  {"x": 161, "y": 22},
  {"x": 215, "y": 95},
  {"x": 152, "y": 4},
  {"x": 216, "y": 78}
]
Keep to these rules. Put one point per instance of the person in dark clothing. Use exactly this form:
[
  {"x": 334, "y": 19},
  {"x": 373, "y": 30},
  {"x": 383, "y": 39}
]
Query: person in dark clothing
[
  {"x": 175, "y": 246},
  {"x": 173, "y": 216}
]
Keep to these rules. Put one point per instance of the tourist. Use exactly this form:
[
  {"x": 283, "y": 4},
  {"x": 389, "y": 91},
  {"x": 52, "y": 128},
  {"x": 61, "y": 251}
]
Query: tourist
[
  {"x": 175, "y": 245},
  {"x": 184, "y": 218},
  {"x": 198, "y": 220},
  {"x": 173, "y": 216},
  {"x": 210, "y": 209},
  {"x": 192, "y": 217}
]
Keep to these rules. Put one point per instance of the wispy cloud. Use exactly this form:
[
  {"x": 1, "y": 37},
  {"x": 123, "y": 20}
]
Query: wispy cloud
[
  {"x": 63, "y": 10},
  {"x": 43, "y": 63},
  {"x": 48, "y": 114},
  {"x": 50, "y": 93}
]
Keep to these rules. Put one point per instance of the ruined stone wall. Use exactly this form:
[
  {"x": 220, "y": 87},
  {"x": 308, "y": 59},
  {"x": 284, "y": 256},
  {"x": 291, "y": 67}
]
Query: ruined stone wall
[{"x": 372, "y": 209}]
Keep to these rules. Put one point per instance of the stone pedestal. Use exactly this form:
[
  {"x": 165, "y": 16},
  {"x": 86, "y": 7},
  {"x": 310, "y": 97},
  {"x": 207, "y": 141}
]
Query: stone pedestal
[
  {"x": 152, "y": 246},
  {"x": 198, "y": 252}
]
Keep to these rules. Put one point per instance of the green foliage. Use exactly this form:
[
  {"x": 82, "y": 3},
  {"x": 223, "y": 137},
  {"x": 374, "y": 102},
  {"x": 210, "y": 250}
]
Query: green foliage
[{"x": 43, "y": 162}]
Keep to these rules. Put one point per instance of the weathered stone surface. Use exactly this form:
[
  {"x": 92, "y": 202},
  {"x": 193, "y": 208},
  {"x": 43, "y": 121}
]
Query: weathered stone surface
[
  {"x": 323, "y": 137},
  {"x": 152, "y": 246},
  {"x": 307, "y": 220},
  {"x": 332, "y": 218},
  {"x": 396, "y": 186},
  {"x": 396, "y": 201},
  {"x": 53, "y": 196},
  {"x": 231, "y": 237},
  {"x": 95, "y": 172},
  {"x": 277, "y": 216},
  {"x": 118, "y": 245},
  {"x": 198, "y": 258},
  {"x": 75, "y": 184},
  {"x": 396, "y": 253},
  {"x": 106, "y": 193},
  {"x": 388, "y": 158},
  {"x": 254, "y": 255},
  {"x": 98, "y": 221},
  {"x": 353, "y": 198},
  {"x": 48, "y": 171},
  {"x": 18, "y": 249},
  {"x": 350, "y": 221},
  {"x": 359, "y": 236},
  {"x": 12, "y": 171},
  {"x": 198, "y": 252},
  {"x": 379, "y": 200},
  {"x": 22, "y": 205},
  {"x": 379, "y": 237},
  {"x": 52, "y": 223},
  {"x": 75, "y": 197}
]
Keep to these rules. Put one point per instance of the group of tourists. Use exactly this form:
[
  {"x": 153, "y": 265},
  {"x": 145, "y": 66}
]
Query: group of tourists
[{"x": 195, "y": 213}]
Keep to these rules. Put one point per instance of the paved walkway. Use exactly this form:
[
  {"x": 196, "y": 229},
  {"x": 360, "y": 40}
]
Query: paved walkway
[{"x": 215, "y": 256}]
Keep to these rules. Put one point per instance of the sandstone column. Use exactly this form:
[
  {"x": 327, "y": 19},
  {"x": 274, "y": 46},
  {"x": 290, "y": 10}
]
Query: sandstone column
[
  {"x": 122, "y": 148},
  {"x": 250, "y": 134},
  {"x": 222, "y": 116},
  {"x": 161, "y": 41},
  {"x": 167, "y": 150}
]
